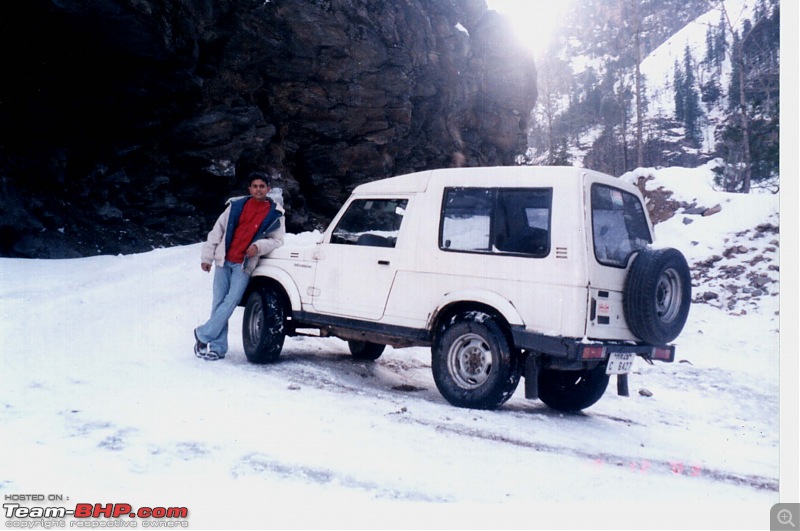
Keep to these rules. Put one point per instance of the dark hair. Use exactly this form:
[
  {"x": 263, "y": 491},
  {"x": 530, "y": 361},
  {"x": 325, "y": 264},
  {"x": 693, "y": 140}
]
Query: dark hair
[{"x": 257, "y": 175}]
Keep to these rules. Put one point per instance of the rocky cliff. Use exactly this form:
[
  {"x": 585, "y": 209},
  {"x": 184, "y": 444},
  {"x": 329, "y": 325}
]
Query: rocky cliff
[{"x": 124, "y": 124}]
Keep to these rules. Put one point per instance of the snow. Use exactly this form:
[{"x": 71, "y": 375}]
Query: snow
[
  {"x": 695, "y": 185},
  {"x": 102, "y": 401},
  {"x": 582, "y": 63}
]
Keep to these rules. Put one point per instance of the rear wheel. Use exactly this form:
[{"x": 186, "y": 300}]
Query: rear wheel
[
  {"x": 263, "y": 326},
  {"x": 474, "y": 366},
  {"x": 572, "y": 390},
  {"x": 364, "y": 350}
]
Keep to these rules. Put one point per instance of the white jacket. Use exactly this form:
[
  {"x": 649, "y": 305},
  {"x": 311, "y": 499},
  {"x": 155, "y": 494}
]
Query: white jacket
[{"x": 214, "y": 248}]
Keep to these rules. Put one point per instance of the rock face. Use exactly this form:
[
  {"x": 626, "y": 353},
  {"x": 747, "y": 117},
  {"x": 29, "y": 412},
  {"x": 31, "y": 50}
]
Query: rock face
[{"x": 126, "y": 123}]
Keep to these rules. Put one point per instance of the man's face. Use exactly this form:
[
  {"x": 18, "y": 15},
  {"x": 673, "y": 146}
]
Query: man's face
[{"x": 259, "y": 190}]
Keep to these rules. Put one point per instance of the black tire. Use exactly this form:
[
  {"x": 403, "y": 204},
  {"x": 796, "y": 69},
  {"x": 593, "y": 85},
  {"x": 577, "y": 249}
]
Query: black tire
[
  {"x": 658, "y": 293},
  {"x": 263, "y": 326},
  {"x": 364, "y": 350},
  {"x": 572, "y": 390},
  {"x": 474, "y": 366}
]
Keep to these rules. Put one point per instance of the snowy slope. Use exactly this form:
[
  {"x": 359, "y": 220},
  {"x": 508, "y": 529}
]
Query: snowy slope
[
  {"x": 102, "y": 401},
  {"x": 658, "y": 66},
  {"x": 658, "y": 70}
]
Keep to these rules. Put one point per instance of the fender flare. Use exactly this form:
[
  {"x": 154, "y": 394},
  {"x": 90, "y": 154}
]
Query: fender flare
[
  {"x": 484, "y": 297},
  {"x": 276, "y": 274}
]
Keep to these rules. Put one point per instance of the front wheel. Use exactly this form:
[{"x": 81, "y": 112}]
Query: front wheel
[
  {"x": 474, "y": 366},
  {"x": 572, "y": 390},
  {"x": 263, "y": 326}
]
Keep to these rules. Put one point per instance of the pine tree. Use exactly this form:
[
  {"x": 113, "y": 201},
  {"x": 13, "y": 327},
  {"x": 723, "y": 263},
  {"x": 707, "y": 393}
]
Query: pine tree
[
  {"x": 711, "y": 55},
  {"x": 710, "y": 92},
  {"x": 639, "y": 87},
  {"x": 555, "y": 77},
  {"x": 734, "y": 91},
  {"x": 738, "y": 100},
  {"x": 560, "y": 156},
  {"x": 721, "y": 42},
  {"x": 680, "y": 98},
  {"x": 691, "y": 105},
  {"x": 761, "y": 60}
]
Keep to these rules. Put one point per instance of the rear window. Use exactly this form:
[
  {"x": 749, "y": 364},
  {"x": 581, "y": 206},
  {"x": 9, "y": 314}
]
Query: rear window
[
  {"x": 497, "y": 221},
  {"x": 619, "y": 225}
]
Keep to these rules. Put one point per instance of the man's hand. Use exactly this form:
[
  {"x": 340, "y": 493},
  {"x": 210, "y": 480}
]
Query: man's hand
[
  {"x": 251, "y": 251},
  {"x": 205, "y": 267}
]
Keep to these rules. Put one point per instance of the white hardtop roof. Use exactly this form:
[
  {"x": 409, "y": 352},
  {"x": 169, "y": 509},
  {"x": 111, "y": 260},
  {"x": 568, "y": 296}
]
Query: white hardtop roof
[{"x": 481, "y": 176}]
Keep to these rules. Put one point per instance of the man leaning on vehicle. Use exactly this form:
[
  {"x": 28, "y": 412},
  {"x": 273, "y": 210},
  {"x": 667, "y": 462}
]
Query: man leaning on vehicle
[{"x": 250, "y": 227}]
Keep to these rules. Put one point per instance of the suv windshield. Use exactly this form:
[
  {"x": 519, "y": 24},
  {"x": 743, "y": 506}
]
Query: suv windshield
[
  {"x": 619, "y": 225},
  {"x": 372, "y": 222}
]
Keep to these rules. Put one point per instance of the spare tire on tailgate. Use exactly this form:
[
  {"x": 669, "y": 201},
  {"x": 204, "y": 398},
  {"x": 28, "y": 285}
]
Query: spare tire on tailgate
[{"x": 658, "y": 292}]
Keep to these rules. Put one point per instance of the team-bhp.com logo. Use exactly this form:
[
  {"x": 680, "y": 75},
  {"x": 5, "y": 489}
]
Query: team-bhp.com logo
[{"x": 89, "y": 515}]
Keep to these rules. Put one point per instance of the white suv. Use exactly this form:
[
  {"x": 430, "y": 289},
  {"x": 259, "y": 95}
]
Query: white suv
[{"x": 541, "y": 272}]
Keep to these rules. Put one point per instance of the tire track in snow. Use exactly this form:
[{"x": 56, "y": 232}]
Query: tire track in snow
[
  {"x": 311, "y": 370},
  {"x": 260, "y": 464},
  {"x": 605, "y": 458}
]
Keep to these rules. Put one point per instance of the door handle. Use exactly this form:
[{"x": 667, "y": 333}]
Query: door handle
[{"x": 383, "y": 262}]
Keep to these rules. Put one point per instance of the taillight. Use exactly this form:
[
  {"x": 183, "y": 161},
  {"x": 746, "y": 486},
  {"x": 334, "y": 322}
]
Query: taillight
[
  {"x": 663, "y": 354},
  {"x": 593, "y": 352}
]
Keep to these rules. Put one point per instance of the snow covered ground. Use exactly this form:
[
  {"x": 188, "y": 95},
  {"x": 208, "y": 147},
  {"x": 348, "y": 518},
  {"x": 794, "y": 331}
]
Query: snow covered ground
[{"x": 102, "y": 401}]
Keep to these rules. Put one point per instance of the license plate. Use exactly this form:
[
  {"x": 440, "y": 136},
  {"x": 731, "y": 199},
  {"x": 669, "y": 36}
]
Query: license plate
[{"x": 620, "y": 362}]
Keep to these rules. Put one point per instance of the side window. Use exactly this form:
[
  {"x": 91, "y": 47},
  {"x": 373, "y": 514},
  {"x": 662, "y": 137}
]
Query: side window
[
  {"x": 371, "y": 222},
  {"x": 497, "y": 220},
  {"x": 522, "y": 222},
  {"x": 619, "y": 225},
  {"x": 467, "y": 219}
]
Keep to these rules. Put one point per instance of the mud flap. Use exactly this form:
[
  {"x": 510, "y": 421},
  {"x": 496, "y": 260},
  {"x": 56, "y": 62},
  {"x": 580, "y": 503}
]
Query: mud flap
[
  {"x": 531, "y": 378},
  {"x": 622, "y": 385}
]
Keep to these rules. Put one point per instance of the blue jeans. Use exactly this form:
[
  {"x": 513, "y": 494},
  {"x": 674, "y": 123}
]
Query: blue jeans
[{"x": 230, "y": 281}]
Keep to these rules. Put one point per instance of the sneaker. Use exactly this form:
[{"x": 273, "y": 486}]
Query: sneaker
[
  {"x": 213, "y": 356},
  {"x": 200, "y": 348},
  {"x": 198, "y": 352}
]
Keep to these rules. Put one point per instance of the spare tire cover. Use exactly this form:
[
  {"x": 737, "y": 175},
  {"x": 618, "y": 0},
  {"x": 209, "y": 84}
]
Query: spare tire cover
[{"x": 658, "y": 293}]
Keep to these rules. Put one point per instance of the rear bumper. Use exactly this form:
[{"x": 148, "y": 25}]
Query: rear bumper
[{"x": 572, "y": 349}]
